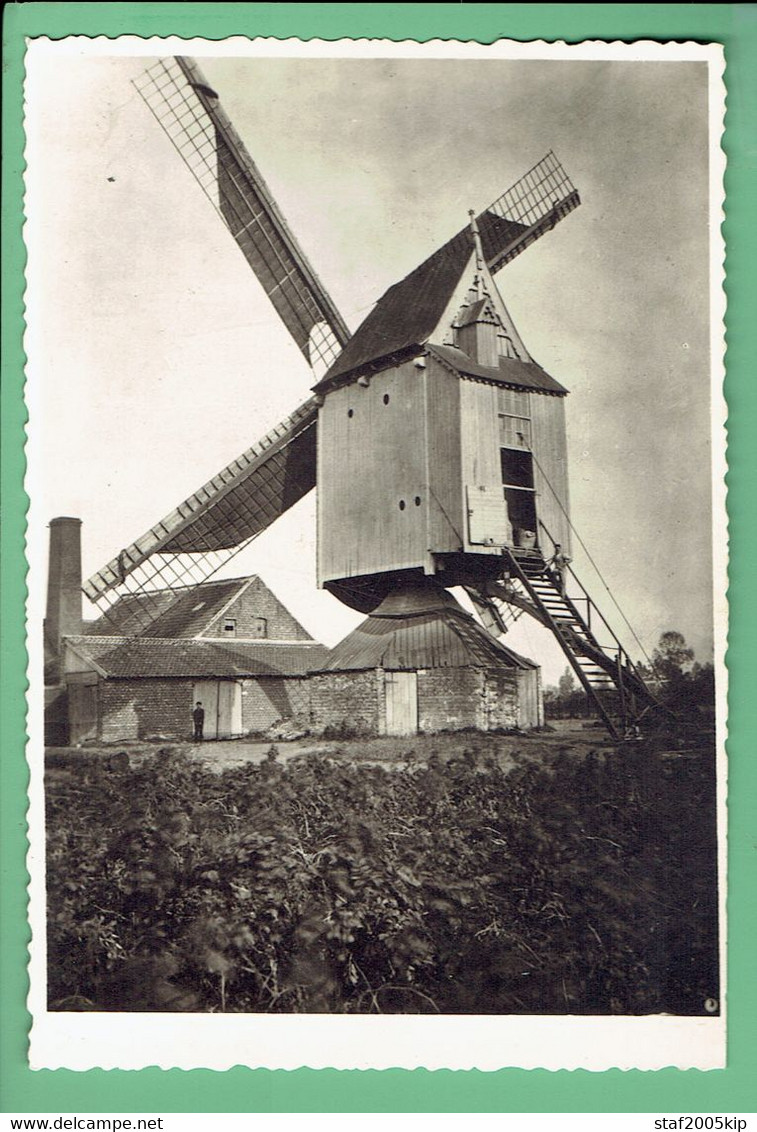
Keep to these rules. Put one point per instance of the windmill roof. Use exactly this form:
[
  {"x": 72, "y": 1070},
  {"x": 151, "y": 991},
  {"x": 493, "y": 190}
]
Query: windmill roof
[
  {"x": 145, "y": 657},
  {"x": 421, "y": 633},
  {"x": 409, "y": 311},
  {"x": 510, "y": 371}
]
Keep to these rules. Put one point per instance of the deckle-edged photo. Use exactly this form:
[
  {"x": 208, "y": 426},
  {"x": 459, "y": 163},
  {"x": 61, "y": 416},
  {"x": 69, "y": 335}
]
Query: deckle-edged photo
[{"x": 372, "y": 568}]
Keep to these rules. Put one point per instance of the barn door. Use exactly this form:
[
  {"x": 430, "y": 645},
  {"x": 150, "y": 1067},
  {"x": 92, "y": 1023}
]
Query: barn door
[
  {"x": 206, "y": 692},
  {"x": 82, "y": 712},
  {"x": 401, "y": 703},
  {"x": 229, "y": 709}
]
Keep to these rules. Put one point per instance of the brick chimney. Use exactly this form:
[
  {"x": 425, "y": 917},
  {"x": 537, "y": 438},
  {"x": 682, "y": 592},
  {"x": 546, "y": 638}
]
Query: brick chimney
[{"x": 64, "y": 604}]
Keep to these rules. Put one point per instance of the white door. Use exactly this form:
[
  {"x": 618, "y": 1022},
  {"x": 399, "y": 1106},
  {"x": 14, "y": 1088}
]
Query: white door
[
  {"x": 206, "y": 693},
  {"x": 401, "y": 703},
  {"x": 229, "y": 709}
]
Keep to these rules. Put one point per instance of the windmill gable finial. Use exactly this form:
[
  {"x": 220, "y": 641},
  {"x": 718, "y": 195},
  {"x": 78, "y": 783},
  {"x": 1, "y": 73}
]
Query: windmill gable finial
[
  {"x": 475, "y": 318},
  {"x": 480, "y": 288}
]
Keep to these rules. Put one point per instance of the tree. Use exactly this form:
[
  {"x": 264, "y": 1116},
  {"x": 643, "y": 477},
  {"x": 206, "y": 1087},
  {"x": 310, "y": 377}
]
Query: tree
[
  {"x": 672, "y": 657},
  {"x": 566, "y": 685}
]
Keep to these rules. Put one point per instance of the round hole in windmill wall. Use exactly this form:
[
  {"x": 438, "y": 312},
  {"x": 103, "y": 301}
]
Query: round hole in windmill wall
[
  {"x": 402, "y": 504},
  {"x": 386, "y": 398},
  {"x": 350, "y": 412},
  {"x": 417, "y": 501}
]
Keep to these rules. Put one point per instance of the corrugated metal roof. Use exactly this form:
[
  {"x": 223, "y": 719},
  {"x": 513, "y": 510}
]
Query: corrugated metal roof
[
  {"x": 526, "y": 375},
  {"x": 443, "y": 638},
  {"x": 144, "y": 657}
]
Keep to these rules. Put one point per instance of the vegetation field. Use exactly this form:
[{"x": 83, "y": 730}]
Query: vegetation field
[{"x": 578, "y": 882}]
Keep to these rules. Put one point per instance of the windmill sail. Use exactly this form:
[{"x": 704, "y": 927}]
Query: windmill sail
[
  {"x": 526, "y": 211},
  {"x": 216, "y": 522},
  {"x": 219, "y": 520},
  {"x": 188, "y": 110}
]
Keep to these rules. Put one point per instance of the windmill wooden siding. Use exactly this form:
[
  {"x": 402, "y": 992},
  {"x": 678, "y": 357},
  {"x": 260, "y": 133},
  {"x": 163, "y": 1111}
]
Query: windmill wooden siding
[
  {"x": 482, "y": 443},
  {"x": 442, "y": 402},
  {"x": 372, "y": 456},
  {"x": 481, "y": 465},
  {"x": 399, "y": 457}
]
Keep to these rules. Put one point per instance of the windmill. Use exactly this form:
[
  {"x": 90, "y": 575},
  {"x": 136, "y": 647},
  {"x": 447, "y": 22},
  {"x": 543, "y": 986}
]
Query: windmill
[{"x": 436, "y": 441}]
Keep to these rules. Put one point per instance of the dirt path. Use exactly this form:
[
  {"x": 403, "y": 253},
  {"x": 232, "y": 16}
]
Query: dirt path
[{"x": 567, "y": 735}]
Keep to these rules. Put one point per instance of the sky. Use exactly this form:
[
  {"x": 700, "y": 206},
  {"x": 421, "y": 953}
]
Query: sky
[{"x": 155, "y": 358}]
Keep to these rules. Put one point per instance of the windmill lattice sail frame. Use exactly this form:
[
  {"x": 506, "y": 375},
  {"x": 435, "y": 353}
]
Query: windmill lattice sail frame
[{"x": 189, "y": 112}]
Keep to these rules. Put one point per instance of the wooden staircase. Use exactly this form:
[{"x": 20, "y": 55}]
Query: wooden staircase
[{"x": 607, "y": 674}]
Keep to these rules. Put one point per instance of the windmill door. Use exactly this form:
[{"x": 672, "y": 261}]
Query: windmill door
[{"x": 401, "y": 703}]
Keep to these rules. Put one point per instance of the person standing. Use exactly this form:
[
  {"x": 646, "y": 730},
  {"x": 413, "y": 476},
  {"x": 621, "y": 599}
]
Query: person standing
[
  {"x": 198, "y": 718},
  {"x": 559, "y": 564}
]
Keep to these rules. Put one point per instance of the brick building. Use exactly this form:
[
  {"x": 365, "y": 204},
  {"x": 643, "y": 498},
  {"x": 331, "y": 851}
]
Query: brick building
[
  {"x": 418, "y": 663},
  {"x": 421, "y": 663},
  {"x": 230, "y": 645}
]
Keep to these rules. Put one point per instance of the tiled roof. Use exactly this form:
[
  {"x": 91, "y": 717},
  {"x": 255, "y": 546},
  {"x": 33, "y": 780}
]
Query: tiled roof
[
  {"x": 527, "y": 375},
  {"x": 130, "y": 613},
  {"x": 186, "y": 612},
  {"x": 194, "y": 609},
  {"x": 95, "y": 646},
  {"x": 409, "y": 311},
  {"x": 136, "y": 657}
]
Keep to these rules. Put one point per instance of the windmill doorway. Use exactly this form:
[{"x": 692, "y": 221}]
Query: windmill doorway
[
  {"x": 222, "y": 701},
  {"x": 518, "y": 484},
  {"x": 401, "y": 690}
]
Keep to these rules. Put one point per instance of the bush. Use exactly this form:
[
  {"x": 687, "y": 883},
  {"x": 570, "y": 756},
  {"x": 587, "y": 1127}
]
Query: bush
[{"x": 317, "y": 886}]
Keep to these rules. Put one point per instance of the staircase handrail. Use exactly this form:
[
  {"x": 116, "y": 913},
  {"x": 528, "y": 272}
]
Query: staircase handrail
[{"x": 585, "y": 596}]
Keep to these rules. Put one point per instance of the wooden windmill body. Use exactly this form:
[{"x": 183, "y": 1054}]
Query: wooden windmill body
[
  {"x": 438, "y": 425},
  {"x": 436, "y": 442}
]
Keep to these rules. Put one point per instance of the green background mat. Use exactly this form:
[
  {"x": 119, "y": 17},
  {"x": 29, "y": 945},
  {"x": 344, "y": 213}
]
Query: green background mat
[{"x": 242, "y": 1090}]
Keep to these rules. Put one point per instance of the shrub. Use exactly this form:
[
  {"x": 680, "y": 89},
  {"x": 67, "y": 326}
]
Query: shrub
[{"x": 583, "y": 887}]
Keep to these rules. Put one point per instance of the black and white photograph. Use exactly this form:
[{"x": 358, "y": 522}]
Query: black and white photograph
[{"x": 377, "y": 551}]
